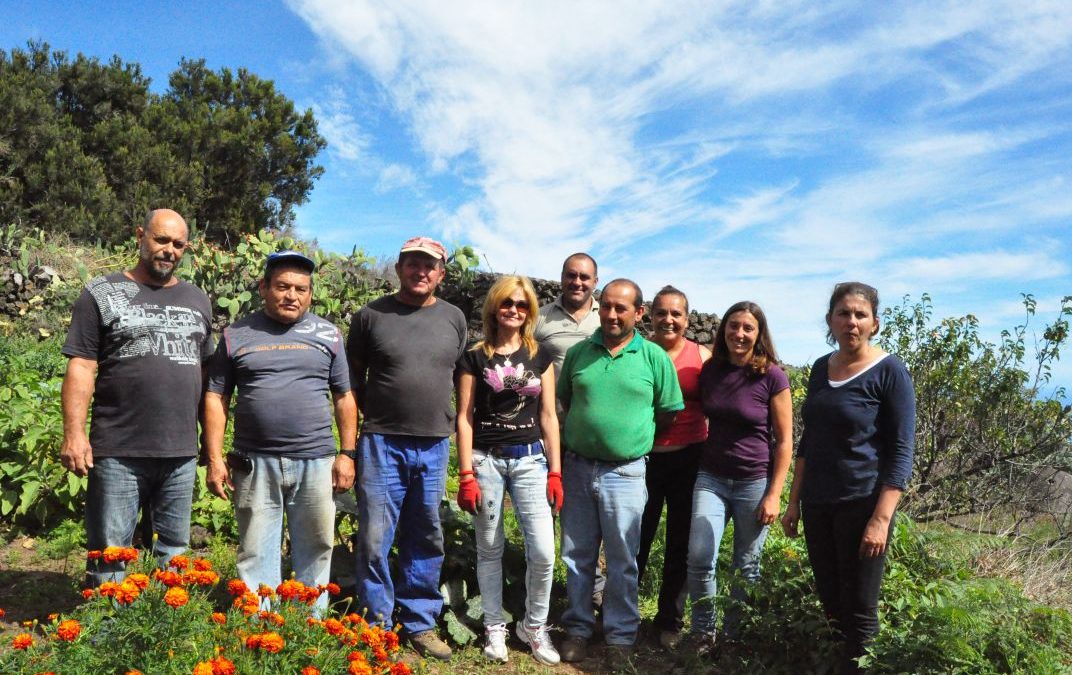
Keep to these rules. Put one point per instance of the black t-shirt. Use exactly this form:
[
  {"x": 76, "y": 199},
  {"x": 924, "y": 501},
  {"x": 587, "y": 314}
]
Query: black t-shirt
[
  {"x": 506, "y": 406},
  {"x": 149, "y": 344},
  {"x": 410, "y": 354}
]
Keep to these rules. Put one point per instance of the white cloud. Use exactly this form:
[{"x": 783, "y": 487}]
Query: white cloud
[
  {"x": 785, "y": 145},
  {"x": 337, "y": 124}
]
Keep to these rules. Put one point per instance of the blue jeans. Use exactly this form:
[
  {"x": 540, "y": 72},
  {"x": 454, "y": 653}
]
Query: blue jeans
[
  {"x": 604, "y": 502},
  {"x": 117, "y": 488},
  {"x": 301, "y": 490},
  {"x": 400, "y": 482},
  {"x": 526, "y": 480},
  {"x": 715, "y": 501}
]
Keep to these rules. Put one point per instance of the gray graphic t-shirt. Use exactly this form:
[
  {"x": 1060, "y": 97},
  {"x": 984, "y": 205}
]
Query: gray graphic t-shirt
[
  {"x": 283, "y": 373},
  {"x": 149, "y": 344}
]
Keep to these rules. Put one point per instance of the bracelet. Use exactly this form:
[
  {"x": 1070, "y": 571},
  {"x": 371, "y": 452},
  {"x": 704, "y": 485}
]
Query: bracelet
[{"x": 352, "y": 454}]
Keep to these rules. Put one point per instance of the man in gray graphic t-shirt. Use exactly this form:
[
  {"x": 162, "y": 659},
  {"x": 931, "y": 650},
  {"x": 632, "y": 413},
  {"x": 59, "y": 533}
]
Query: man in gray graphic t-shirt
[
  {"x": 284, "y": 361},
  {"x": 135, "y": 349}
]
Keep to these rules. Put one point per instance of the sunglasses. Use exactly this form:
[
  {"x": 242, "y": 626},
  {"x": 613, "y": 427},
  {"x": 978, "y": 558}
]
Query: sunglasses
[{"x": 520, "y": 305}]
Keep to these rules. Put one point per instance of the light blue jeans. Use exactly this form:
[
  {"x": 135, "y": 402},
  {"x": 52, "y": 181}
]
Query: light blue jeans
[
  {"x": 526, "y": 480},
  {"x": 604, "y": 502},
  {"x": 400, "y": 482},
  {"x": 715, "y": 501},
  {"x": 301, "y": 490},
  {"x": 117, "y": 487}
]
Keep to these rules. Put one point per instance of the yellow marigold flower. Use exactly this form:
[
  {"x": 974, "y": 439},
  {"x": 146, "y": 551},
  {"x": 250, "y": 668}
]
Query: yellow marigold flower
[
  {"x": 133, "y": 671},
  {"x": 203, "y": 668},
  {"x": 272, "y": 642},
  {"x": 176, "y": 597},
  {"x": 68, "y": 630},
  {"x": 359, "y": 668}
]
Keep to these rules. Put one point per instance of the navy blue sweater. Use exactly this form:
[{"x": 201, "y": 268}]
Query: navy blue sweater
[{"x": 857, "y": 436}]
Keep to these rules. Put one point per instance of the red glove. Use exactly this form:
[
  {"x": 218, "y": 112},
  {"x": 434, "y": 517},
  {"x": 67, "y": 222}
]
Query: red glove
[
  {"x": 469, "y": 492},
  {"x": 555, "y": 497}
]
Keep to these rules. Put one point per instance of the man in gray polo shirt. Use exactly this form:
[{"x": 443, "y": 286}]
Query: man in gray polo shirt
[
  {"x": 573, "y": 316},
  {"x": 283, "y": 360}
]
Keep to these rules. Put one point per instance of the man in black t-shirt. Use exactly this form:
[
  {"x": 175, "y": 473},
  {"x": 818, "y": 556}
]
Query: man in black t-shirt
[
  {"x": 402, "y": 349},
  {"x": 136, "y": 346}
]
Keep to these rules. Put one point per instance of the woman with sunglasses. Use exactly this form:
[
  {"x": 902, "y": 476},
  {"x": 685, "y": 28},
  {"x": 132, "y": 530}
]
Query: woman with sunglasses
[
  {"x": 506, "y": 404},
  {"x": 853, "y": 464}
]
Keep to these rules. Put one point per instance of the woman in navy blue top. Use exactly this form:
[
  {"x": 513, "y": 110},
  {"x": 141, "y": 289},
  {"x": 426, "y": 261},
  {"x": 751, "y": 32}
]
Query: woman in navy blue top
[{"x": 853, "y": 465}]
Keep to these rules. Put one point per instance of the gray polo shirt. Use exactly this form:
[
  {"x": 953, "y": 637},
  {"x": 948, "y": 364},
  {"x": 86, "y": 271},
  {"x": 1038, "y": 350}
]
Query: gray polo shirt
[{"x": 558, "y": 330}]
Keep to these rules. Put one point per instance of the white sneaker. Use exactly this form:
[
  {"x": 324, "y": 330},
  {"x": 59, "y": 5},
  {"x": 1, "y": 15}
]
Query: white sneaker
[
  {"x": 540, "y": 641},
  {"x": 495, "y": 647}
]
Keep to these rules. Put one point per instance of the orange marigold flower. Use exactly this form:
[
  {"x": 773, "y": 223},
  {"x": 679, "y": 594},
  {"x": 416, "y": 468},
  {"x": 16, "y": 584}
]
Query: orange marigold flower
[
  {"x": 93, "y": 555},
  {"x": 390, "y": 640},
  {"x": 113, "y": 554},
  {"x": 201, "y": 577},
  {"x": 53, "y": 616},
  {"x": 333, "y": 589},
  {"x": 334, "y": 626},
  {"x": 22, "y": 641},
  {"x": 359, "y": 668},
  {"x": 202, "y": 564},
  {"x": 290, "y": 589},
  {"x": 310, "y": 670},
  {"x": 309, "y": 595},
  {"x": 237, "y": 587},
  {"x": 88, "y": 593},
  {"x": 265, "y": 591},
  {"x": 176, "y": 597},
  {"x": 380, "y": 653},
  {"x": 140, "y": 580},
  {"x": 272, "y": 643},
  {"x": 127, "y": 592},
  {"x": 68, "y": 630},
  {"x": 254, "y": 641},
  {"x": 179, "y": 562},
  {"x": 356, "y": 656},
  {"x": 221, "y": 665},
  {"x": 133, "y": 671},
  {"x": 2, "y": 613},
  {"x": 108, "y": 589},
  {"x": 312, "y": 651},
  {"x": 218, "y": 617},
  {"x": 312, "y": 621},
  {"x": 203, "y": 668},
  {"x": 400, "y": 669},
  {"x": 168, "y": 578}
]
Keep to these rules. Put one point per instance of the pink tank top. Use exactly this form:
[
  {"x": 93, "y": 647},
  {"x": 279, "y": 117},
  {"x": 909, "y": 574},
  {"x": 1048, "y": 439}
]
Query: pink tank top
[{"x": 690, "y": 425}]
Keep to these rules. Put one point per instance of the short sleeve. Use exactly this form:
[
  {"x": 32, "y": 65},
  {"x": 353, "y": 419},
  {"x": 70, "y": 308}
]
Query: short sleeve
[
  {"x": 777, "y": 380},
  {"x": 564, "y": 387},
  {"x": 339, "y": 378},
  {"x": 84, "y": 335},
  {"x": 667, "y": 388},
  {"x": 357, "y": 340},
  {"x": 220, "y": 372},
  {"x": 467, "y": 362}
]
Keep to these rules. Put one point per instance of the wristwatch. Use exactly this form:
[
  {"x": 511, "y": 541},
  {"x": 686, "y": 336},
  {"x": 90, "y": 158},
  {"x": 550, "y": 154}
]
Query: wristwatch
[{"x": 352, "y": 454}]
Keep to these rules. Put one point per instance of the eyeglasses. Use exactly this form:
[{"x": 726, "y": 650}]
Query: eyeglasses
[{"x": 520, "y": 305}]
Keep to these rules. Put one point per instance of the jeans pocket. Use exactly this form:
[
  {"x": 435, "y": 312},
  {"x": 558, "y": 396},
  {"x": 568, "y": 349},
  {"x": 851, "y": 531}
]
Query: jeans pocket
[{"x": 634, "y": 469}]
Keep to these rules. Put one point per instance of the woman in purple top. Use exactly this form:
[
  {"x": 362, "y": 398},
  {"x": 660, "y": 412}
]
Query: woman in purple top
[
  {"x": 744, "y": 462},
  {"x": 853, "y": 464}
]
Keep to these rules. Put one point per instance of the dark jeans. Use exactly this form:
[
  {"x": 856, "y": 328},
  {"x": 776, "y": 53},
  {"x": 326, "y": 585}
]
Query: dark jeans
[
  {"x": 848, "y": 586},
  {"x": 671, "y": 476}
]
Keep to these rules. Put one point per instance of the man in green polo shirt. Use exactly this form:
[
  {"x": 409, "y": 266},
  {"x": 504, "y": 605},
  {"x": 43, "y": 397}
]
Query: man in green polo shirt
[{"x": 616, "y": 388}]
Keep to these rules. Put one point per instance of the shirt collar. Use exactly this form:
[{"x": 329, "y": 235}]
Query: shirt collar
[{"x": 596, "y": 338}]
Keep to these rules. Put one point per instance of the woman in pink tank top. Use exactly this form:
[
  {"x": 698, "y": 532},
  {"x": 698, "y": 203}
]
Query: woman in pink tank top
[{"x": 673, "y": 462}]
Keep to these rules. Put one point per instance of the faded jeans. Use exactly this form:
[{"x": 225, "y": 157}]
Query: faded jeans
[
  {"x": 526, "y": 480},
  {"x": 301, "y": 490},
  {"x": 715, "y": 501},
  {"x": 400, "y": 482},
  {"x": 604, "y": 502},
  {"x": 117, "y": 488}
]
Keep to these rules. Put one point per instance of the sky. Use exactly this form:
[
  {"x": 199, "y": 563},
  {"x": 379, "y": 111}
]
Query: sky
[{"x": 738, "y": 150}]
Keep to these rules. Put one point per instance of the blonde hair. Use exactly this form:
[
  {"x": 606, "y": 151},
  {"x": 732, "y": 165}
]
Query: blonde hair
[{"x": 502, "y": 290}]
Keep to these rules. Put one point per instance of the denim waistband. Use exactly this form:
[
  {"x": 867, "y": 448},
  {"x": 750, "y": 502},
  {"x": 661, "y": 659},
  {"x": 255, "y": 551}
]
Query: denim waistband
[
  {"x": 607, "y": 462},
  {"x": 513, "y": 451}
]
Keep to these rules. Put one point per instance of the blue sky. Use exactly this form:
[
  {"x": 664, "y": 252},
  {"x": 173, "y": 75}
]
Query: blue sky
[{"x": 754, "y": 150}]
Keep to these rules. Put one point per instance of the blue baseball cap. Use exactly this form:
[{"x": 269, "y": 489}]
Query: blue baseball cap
[{"x": 290, "y": 258}]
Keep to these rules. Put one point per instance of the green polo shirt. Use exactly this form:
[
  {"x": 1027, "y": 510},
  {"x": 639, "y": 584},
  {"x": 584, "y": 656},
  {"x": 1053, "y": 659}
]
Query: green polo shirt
[{"x": 613, "y": 400}]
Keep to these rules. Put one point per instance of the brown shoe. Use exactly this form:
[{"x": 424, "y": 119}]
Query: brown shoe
[
  {"x": 573, "y": 649},
  {"x": 428, "y": 644},
  {"x": 669, "y": 639}
]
